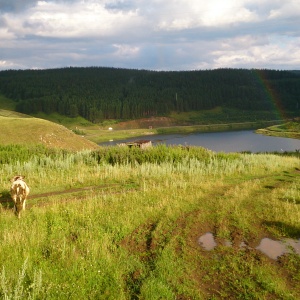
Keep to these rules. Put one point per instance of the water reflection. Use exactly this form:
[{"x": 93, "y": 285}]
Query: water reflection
[
  {"x": 272, "y": 248},
  {"x": 207, "y": 241},
  {"x": 231, "y": 141}
]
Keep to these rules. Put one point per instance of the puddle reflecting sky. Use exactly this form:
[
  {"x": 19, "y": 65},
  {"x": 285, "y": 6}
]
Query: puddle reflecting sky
[
  {"x": 207, "y": 241},
  {"x": 272, "y": 248}
]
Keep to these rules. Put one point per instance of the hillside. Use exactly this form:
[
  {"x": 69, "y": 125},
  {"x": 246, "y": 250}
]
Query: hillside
[
  {"x": 25, "y": 131},
  {"x": 99, "y": 94}
]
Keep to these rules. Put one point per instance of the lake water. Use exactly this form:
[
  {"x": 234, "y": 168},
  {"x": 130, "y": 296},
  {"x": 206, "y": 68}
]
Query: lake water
[{"x": 229, "y": 141}]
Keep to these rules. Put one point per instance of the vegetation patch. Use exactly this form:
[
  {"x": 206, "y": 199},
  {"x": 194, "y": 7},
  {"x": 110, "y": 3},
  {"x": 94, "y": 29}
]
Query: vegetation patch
[
  {"x": 6, "y": 104},
  {"x": 289, "y": 130}
]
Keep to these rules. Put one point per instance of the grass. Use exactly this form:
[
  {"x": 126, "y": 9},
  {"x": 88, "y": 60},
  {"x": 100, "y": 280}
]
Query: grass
[
  {"x": 289, "y": 129},
  {"x": 222, "y": 115},
  {"x": 6, "y": 103},
  {"x": 71, "y": 123},
  {"x": 141, "y": 243},
  {"x": 23, "y": 130}
]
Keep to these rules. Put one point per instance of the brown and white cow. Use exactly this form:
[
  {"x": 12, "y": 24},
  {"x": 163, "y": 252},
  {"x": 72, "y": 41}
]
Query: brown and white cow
[{"x": 19, "y": 191}]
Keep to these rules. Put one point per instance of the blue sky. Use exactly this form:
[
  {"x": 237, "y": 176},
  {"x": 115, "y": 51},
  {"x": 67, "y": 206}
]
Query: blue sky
[{"x": 145, "y": 34}]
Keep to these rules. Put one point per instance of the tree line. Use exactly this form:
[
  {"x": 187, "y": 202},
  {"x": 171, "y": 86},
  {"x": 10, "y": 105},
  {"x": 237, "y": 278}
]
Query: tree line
[{"x": 98, "y": 93}]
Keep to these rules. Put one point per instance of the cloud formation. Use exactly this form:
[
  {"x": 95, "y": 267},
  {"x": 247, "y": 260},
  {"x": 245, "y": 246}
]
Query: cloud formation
[{"x": 157, "y": 34}]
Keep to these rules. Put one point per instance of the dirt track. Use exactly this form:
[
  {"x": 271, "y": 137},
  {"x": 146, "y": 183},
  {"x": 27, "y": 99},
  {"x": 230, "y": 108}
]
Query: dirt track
[{"x": 6, "y": 198}]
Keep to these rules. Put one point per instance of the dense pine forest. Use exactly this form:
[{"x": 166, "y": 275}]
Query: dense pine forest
[{"x": 97, "y": 93}]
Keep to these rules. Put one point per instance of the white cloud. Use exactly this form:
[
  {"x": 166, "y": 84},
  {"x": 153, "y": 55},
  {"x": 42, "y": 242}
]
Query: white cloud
[
  {"x": 260, "y": 55},
  {"x": 157, "y": 34},
  {"x": 80, "y": 19},
  {"x": 126, "y": 50},
  {"x": 288, "y": 8},
  {"x": 59, "y": 20},
  {"x": 183, "y": 14}
]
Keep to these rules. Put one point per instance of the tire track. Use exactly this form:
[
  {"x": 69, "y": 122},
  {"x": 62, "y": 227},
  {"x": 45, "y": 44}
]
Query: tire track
[{"x": 6, "y": 198}]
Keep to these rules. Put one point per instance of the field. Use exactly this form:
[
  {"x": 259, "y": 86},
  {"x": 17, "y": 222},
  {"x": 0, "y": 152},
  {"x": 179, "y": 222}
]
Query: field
[{"x": 120, "y": 223}]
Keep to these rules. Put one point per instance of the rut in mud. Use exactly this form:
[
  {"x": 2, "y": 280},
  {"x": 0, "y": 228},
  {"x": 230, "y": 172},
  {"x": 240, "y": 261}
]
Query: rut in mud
[{"x": 218, "y": 270}]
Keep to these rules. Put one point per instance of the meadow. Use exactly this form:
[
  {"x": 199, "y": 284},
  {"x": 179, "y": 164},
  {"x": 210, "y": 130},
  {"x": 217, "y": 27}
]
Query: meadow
[{"x": 120, "y": 223}]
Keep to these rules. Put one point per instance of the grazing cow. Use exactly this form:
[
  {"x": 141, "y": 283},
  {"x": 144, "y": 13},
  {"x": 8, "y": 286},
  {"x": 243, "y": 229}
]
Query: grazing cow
[{"x": 19, "y": 192}]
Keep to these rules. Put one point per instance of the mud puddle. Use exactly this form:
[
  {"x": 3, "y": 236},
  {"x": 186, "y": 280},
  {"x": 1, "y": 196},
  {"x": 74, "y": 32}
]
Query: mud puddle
[
  {"x": 271, "y": 248},
  {"x": 207, "y": 241},
  {"x": 274, "y": 248}
]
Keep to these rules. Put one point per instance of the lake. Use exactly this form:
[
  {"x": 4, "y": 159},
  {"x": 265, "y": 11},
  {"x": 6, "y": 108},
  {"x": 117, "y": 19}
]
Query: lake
[{"x": 229, "y": 141}]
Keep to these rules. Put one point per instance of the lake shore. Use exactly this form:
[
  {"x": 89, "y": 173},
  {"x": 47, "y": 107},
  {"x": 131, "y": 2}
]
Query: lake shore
[
  {"x": 106, "y": 135},
  {"x": 288, "y": 130},
  {"x": 221, "y": 141}
]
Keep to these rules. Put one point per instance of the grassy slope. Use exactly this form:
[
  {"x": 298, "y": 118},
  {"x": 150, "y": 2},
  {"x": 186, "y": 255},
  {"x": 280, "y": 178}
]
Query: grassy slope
[{"x": 16, "y": 129}]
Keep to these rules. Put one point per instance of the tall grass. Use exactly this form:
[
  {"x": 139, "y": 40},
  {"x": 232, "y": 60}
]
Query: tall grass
[
  {"x": 19, "y": 288},
  {"x": 140, "y": 244}
]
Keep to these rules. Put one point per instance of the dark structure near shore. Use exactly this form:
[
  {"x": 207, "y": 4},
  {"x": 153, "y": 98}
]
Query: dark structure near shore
[{"x": 143, "y": 144}]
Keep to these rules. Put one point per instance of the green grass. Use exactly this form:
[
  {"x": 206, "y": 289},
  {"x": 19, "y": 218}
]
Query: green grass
[
  {"x": 23, "y": 131},
  {"x": 68, "y": 122},
  {"x": 289, "y": 129},
  {"x": 6, "y": 103},
  {"x": 141, "y": 243},
  {"x": 223, "y": 115}
]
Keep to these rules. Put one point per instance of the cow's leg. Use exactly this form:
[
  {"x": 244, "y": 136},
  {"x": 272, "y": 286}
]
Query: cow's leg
[
  {"x": 15, "y": 203},
  {"x": 19, "y": 206}
]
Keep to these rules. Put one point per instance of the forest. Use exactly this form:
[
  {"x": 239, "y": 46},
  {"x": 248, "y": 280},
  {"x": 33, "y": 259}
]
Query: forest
[{"x": 98, "y": 93}]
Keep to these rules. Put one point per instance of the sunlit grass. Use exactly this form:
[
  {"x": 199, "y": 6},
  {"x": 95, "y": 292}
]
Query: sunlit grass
[{"x": 140, "y": 242}]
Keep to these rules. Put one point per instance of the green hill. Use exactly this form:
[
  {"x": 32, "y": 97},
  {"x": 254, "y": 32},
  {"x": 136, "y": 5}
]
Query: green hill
[
  {"x": 98, "y": 94},
  {"x": 17, "y": 129}
]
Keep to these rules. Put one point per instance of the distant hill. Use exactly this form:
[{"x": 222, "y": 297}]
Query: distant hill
[
  {"x": 17, "y": 129},
  {"x": 97, "y": 94}
]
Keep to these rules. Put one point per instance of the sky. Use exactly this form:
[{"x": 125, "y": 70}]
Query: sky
[{"x": 150, "y": 34}]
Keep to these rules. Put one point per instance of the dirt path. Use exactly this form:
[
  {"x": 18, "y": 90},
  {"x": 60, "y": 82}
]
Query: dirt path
[{"x": 6, "y": 198}]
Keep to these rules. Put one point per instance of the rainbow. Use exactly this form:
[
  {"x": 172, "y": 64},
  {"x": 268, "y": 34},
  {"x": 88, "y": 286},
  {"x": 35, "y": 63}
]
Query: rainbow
[{"x": 270, "y": 92}]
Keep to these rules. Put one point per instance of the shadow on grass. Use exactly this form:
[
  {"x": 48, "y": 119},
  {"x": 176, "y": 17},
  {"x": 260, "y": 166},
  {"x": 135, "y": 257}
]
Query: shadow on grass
[
  {"x": 5, "y": 200},
  {"x": 270, "y": 187},
  {"x": 284, "y": 229},
  {"x": 290, "y": 200}
]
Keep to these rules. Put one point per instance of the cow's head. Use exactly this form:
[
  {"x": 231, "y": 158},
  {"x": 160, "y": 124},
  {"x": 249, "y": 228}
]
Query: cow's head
[{"x": 17, "y": 177}]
